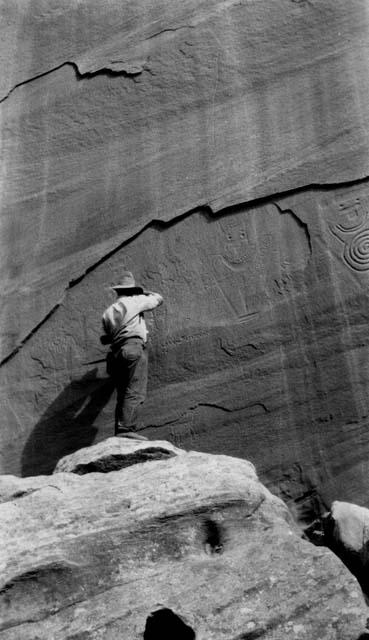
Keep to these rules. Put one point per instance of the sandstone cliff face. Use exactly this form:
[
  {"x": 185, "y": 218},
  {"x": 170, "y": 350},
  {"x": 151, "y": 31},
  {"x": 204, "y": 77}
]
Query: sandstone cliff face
[
  {"x": 220, "y": 151},
  {"x": 193, "y": 543}
]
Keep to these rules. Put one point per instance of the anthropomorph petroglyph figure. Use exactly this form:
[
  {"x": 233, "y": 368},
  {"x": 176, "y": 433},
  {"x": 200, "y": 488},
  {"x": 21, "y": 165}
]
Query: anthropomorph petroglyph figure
[{"x": 125, "y": 330}]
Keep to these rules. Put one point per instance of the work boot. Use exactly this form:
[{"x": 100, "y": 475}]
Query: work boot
[{"x": 133, "y": 435}]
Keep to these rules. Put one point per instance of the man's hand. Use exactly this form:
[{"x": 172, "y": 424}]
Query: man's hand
[{"x": 158, "y": 297}]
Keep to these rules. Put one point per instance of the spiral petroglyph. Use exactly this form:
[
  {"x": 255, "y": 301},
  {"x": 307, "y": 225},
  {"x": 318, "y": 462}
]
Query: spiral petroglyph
[{"x": 356, "y": 252}]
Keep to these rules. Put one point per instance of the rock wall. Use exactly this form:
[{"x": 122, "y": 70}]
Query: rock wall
[{"x": 219, "y": 150}]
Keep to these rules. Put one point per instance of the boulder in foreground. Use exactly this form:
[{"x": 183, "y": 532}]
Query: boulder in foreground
[
  {"x": 345, "y": 530},
  {"x": 193, "y": 543}
]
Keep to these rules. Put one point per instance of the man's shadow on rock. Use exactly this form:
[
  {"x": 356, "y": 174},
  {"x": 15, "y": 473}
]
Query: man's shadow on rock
[{"x": 67, "y": 424}]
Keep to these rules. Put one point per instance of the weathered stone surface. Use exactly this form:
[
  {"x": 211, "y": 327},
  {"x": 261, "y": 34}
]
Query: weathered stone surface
[
  {"x": 13, "y": 487},
  {"x": 345, "y": 530},
  {"x": 116, "y": 115},
  {"x": 114, "y": 454},
  {"x": 95, "y": 556},
  {"x": 260, "y": 349},
  {"x": 351, "y": 525},
  {"x": 121, "y": 119}
]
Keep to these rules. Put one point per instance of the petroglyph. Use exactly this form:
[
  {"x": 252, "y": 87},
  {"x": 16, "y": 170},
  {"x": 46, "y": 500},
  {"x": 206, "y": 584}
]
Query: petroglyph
[
  {"x": 353, "y": 215},
  {"x": 253, "y": 248},
  {"x": 352, "y": 230},
  {"x": 237, "y": 251},
  {"x": 175, "y": 340},
  {"x": 356, "y": 253}
]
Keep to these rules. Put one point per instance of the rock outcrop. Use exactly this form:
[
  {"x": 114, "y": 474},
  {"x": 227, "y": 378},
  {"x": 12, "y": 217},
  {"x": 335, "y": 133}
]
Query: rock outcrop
[
  {"x": 345, "y": 530},
  {"x": 114, "y": 454},
  {"x": 193, "y": 543},
  {"x": 218, "y": 149}
]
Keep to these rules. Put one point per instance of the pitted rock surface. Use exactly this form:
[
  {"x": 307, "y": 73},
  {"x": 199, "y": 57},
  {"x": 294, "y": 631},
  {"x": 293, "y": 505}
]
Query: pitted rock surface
[{"x": 198, "y": 536}]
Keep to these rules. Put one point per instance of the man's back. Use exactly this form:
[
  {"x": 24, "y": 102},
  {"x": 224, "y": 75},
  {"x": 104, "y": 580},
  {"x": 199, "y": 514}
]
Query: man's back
[{"x": 124, "y": 318}]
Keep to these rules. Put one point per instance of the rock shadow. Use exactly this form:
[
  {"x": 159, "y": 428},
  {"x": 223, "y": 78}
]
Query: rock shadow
[
  {"x": 67, "y": 424},
  {"x": 164, "y": 624}
]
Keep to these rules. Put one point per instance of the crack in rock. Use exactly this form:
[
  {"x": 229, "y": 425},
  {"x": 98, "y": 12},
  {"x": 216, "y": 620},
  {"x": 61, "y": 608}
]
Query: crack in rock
[
  {"x": 159, "y": 33},
  {"x": 160, "y": 224},
  {"x": 84, "y": 68},
  {"x": 300, "y": 223},
  {"x": 111, "y": 68}
]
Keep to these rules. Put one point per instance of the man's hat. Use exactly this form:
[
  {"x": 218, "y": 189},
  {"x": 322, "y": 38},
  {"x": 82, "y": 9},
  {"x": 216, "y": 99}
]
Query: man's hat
[{"x": 127, "y": 283}]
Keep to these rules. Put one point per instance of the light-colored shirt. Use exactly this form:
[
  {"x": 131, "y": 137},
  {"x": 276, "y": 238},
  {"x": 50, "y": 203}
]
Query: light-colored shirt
[{"x": 124, "y": 318}]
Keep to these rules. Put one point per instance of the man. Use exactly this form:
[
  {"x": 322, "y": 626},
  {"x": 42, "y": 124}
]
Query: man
[{"x": 125, "y": 329}]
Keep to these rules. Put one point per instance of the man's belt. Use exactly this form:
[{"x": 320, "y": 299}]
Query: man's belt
[{"x": 117, "y": 345}]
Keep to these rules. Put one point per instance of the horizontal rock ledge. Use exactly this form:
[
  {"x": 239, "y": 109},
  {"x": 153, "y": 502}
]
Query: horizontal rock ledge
[{"x": 114, "y": 454}]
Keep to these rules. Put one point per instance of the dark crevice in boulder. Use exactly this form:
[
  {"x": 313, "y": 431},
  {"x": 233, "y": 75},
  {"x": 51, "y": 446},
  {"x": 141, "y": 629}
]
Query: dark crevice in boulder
[
  {"x": 251, "y": 635},
  {"x": 166, "y": 625},
  {"x": 214, "y": 537},
  {"x": 121, "y": 461}
]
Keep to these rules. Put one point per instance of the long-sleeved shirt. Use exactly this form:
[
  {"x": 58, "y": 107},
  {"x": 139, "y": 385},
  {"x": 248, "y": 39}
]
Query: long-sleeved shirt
[{"x": 124, "y": 318}]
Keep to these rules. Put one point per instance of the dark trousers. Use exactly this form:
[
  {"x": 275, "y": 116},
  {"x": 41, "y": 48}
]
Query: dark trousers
[{"x": 130, "y": 377}]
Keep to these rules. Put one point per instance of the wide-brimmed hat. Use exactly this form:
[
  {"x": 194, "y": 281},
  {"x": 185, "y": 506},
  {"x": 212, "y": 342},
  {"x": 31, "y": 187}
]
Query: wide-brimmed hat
[{"x": 127, "y": 283}]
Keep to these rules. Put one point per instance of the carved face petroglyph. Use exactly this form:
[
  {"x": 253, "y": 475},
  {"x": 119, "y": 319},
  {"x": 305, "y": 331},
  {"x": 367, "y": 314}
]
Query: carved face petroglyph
[
  {"x": 352, "y": 214},
  {"x": 236, "y": 252}
]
